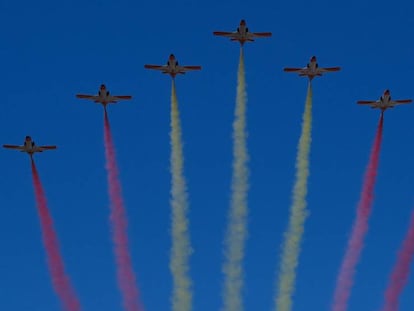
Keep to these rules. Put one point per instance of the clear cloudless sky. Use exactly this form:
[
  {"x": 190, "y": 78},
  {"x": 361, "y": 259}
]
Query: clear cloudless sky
[{"x": 51, "y": 50}]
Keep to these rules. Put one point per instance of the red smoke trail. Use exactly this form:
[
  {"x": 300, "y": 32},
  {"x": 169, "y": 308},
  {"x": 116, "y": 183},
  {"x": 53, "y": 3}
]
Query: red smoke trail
[
  {"x": 356, "y": 241},
  {"x": 125, "y": 273},
  {"x": 401, "y": 271},
  {"x": 60, "y": 280}
]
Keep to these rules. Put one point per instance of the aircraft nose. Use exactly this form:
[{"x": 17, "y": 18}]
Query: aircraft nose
[
  {"x": 242, "y": 22},
  {"x": 28, "y": 138}
]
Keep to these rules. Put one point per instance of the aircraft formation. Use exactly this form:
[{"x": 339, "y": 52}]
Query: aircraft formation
[
  {"x": 241, "y": 35},
  {"x": 173, "y": 68}
]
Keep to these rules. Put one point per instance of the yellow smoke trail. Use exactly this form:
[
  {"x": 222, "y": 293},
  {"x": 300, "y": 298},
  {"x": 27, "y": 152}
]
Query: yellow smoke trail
[
  {"x": 181, "y": 248},
  {"x": 237, "y": 228},
  {"x": 298, "y": 213}
]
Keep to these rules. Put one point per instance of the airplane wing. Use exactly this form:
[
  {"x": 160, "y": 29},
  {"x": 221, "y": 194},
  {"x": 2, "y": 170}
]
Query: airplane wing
[
  {"x": 190, "y": 68},
  {"x": 293, "y": 69},
  {"x": 401, "y": 101},
  {"x": 122, "y": 97},
  {"x": 367, "y": 102},
  {"x": 41, "y": 148},
  {"x": 156, "y": 67},
  {"x": 261, "y": 34},
  {"x": 329, "y": 69},
  {"x": 13, "y": 147},
  {"x": 225, "y": 34},
  {"x": 91, "y": 97}
]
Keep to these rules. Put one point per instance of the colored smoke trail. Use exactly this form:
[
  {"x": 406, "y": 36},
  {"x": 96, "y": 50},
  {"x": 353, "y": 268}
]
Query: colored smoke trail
[
  {"x": 237, "y": 227},
  {"x": 125, "y": 273},
  {"x": 298, "y": 213},
  {"x": 181, "y": 248},
  {"x": 356, "y": 241},
  {"x": 60, "y": 280},
  {"x": 401, "y": 271}
]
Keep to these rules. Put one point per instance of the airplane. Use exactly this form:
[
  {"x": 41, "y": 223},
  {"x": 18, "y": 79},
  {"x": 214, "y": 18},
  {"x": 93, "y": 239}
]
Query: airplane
[
  {"x": 104, "y": 97},
  {"x": 172, "y": 67},
  {"x": 242, "y": 34},
  {"x": 312, "y": 69},
  {"x": 29, "y": 146},
  {"x": 384, "y": 102}
]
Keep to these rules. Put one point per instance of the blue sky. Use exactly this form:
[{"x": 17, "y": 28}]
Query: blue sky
[{"x": 51, "y": 50}]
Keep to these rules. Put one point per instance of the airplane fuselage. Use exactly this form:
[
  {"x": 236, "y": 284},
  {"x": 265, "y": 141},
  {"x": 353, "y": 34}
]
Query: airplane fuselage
[
  {"x": 29, "y": 147},
  {"x": 104, "y": 97},
  {"x": 312, "y": 69},
  {"x": 242, "y": 30},
  {"x": 103, "y": 94},
  {"x": 385, "y": 99},
  {"x": 243, "y": 34},
  {"x": 313, "y": 66},
  {"x": 172, "y": 67},
  {"x": 385, "y": 102}
]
